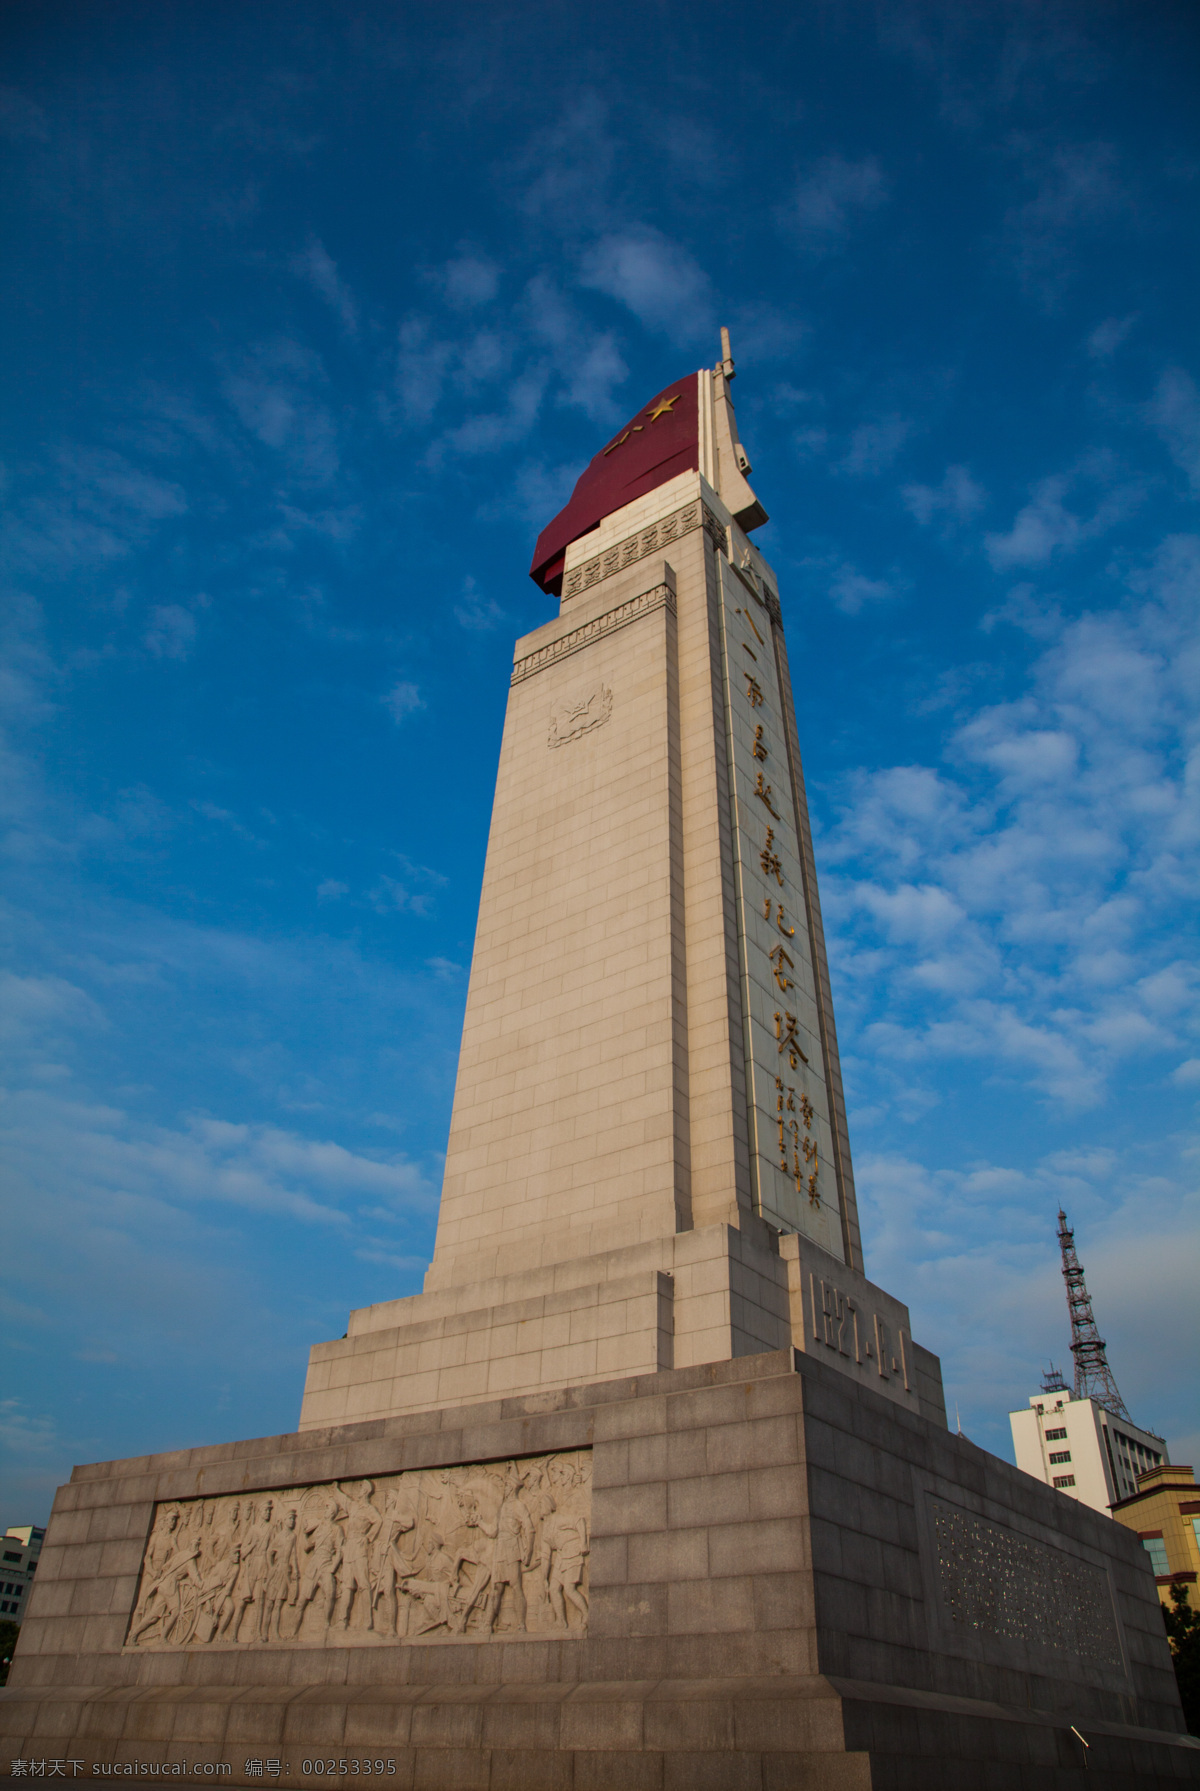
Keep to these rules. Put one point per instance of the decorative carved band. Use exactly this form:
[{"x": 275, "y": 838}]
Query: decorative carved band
[
  {"x": 481, "y": 1552},
  {"x": 661, "y": 597},
  {"x": 648, "y": 541}
]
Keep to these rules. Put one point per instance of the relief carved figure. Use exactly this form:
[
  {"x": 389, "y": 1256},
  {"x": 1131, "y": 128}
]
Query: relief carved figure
[{"x": 495, "y": 1549}]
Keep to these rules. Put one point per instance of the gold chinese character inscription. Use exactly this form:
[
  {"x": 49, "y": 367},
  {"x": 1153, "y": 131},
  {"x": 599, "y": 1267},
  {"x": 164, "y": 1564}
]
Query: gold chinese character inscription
[
  {"x": 760, "y": 750},
  {"x": 785, "y": 1032},
  {"x": 792, "y": 1144},
  {"x": 788, "y": 932},
  {"x": 745, "y": 614},
  {"x": 753, "y": 691},
  {"x": 779, "y": 958},
  {"x": 764, "y": 793},
  {"x": 769, "y": 859}
]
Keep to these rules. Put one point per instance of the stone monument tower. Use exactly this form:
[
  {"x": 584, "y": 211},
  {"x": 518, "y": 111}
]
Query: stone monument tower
[
  {"x": 650, "y": 1486},
  {"x": 648, "y": 1164}
]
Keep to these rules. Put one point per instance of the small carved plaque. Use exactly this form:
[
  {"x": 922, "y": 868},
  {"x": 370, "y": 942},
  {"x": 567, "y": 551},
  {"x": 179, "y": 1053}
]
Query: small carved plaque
[
  {"x": 587, "y": 709},
  {"x": 997, "y": 1584},
  {"x": 435, "y": 1555}
]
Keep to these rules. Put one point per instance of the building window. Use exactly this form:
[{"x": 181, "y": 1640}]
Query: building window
[
  {"x": 1196, "y": 1530},
  {"x": 1053, "y": 1436},
  {"x": 1060, "y": 1455},
  {"x": 1156, "y": 1548},
  {"x": 1064, "y": 1480}
]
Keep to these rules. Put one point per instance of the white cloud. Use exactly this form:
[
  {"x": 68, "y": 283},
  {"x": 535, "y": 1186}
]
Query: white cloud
[
  {"x": 1174, "y": 412},
  {"x": 1024, "y": 903},
  {"x": 874, "y": 446},
  {"x": 1045, "y": 528},
  {"x": 277, "y": 392},
  {"x": 958, "y": 499},
  {"x": 23, "y": 1432},
  {"x": 828, "y": 198},
  {"x": 315, "y": 265},
  {"x": 589, "y": 363},
  {"x": 403, "y": 700},
  {"x": 412, "y": 892},
  {"x": 421, "y": 365},
  {"x": 655, "y": 278},
  {"x": 91, "y": 506},
  {"x": 170, "y": 631},
  {"x": 1107, "y": 337},
  {"x": 851, "y": 590},
  {"x": 475, "y": 611},
  {"x": 100, "y": 1155},
  {"x": 564, "y": 174},
  {"x": 1077, "y": 187},
  {"x": 469, "y": 281},
  {"x": 21, "y": 119}
]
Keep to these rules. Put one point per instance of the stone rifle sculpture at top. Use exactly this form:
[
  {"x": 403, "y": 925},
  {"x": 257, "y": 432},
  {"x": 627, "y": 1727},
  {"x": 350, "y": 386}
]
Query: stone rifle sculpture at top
[{"x": 650, "y": 1485}]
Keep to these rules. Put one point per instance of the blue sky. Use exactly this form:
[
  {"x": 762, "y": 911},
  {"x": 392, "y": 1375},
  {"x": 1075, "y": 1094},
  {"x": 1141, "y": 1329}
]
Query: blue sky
[{"x": 312, "y": 315}]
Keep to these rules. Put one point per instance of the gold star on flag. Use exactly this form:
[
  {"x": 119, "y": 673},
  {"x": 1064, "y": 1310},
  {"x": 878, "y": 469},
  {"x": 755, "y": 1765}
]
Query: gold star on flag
[{"x": 663, "y": 407}]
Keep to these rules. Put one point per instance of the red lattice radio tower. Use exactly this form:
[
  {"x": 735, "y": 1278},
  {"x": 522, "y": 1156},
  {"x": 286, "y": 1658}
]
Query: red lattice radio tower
[{"x": 1093, "y": 1376}]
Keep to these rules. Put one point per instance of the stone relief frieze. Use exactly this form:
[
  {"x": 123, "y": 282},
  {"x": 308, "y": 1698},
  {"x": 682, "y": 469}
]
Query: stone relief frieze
[
  {"x": 433, "y": 1555},
  {"x": 1010, "y": 1588},
  {"x": 579, "y": 714}
]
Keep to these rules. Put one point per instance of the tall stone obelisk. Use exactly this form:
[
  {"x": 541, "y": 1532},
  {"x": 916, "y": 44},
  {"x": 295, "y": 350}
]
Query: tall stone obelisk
[
  {"x": 649, "y": 1127},
  {"x": 650, "y": 1487}
]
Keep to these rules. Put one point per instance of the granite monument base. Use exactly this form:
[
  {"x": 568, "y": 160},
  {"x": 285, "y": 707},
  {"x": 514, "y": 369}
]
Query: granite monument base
[{"x": 756, "y": 1574}]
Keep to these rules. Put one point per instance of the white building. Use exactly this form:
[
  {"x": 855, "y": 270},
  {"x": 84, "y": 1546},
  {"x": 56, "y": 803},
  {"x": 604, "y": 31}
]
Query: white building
[
  {"x": 1078, "y": 1446},
  {"x": 20, "y": 1547}
]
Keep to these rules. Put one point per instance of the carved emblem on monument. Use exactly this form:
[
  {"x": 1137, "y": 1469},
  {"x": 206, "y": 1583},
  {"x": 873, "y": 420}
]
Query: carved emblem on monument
[
  {"x": 434, "y": 1555},
  {"x": 579, "y": 714}
]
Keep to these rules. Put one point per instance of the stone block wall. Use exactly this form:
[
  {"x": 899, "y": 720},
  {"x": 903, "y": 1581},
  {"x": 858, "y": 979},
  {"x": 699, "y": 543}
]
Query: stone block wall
[{"x": 769, "y": 1608}]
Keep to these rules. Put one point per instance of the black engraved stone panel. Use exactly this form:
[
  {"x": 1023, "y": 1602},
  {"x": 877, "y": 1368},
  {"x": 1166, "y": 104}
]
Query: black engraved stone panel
[{"x": 994, "y": 1583}]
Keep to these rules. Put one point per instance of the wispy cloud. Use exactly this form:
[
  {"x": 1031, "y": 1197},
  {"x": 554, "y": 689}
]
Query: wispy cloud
[
  {"x": 1077, "y": 187},
  {"x": 278, "y": 392},
  {"x": 315, "y": 265},
  {"x": 654, "y": 277},
  {"x": 957, "y": 499},
  {"x": 170, "y": 631},
  {"x": 1021, "y": 903},
  {"x": 411, "y": 891},
  {"x": 1104, "y": 341},
  {"x": 830, "y": 199},
  {"x": 468, "y": 281},
  {"x": 1045, "y": 528},
  {"x": 852, "y": 590},
  {"x": 1174, "y": 411},
  {"x": 875, "y": 446},
  {"x": 476, "y": 611},
  {"x": 403, "y": 700}
]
